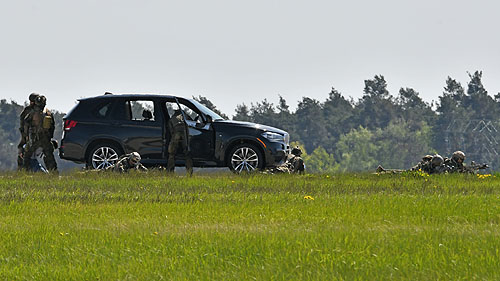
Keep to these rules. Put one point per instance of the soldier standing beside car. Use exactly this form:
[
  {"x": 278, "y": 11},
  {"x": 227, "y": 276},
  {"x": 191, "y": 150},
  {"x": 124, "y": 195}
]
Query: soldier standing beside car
[
  {"x": 178, "y": 139},
  {"x": 24, "y": 136},
  {"x": 39, "y": 126}
]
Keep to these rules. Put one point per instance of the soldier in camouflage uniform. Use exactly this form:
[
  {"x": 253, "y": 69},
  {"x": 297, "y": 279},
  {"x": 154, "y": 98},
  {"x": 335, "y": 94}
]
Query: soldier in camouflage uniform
[
  {"x": 456, "y": 162},
  {"x": 294, "y": 164},
  {"x": 178, "y": 132},
  {"x": 437, "y": 165},
  {"x": 24, "y": 136},
  {"x": 430, "y": 164},
  {"x": 422, "y": 165},
  {"x": 128, "y": 162},
  {"x": 39, "y": 126}
]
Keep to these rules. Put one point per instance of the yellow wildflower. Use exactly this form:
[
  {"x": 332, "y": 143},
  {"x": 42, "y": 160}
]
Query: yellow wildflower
[{"x": 308, "y": 197}]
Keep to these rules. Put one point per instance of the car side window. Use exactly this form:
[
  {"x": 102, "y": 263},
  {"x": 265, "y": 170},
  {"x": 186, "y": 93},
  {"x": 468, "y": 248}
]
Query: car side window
[
  {"x": 140, "y": 110},
  {"x": 191, "y": 115},
  {"x": 102, "y": 110}
]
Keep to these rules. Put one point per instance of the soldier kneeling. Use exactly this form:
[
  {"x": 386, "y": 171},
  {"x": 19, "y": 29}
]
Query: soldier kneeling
[
  {"x": 294, "y": 164},
  {"x": 128, "y": 162}
]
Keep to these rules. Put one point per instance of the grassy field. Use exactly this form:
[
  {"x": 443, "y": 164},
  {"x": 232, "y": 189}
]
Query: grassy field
[{"x": 254, "y": 227}]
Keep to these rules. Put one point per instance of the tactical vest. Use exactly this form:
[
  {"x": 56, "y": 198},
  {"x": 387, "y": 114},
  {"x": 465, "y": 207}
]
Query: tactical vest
[
  {"x": 176, "y": 123},
  {"x": 38, "y": 122}
]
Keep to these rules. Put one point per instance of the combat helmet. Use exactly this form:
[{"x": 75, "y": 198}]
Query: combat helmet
[
  {"x": 296, "y": 151},
  {"x": 427, "y": 158},
  {"x": 41, "y": 101},
  {"x": 134, "y": 158},
  {"x": 458, "y": 155},
  {"x": 33, "y": 97},
  {"x": 437, "y": 160}
]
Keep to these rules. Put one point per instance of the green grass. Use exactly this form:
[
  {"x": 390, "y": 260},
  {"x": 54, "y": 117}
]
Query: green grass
[{"x": 257, "y": 227}]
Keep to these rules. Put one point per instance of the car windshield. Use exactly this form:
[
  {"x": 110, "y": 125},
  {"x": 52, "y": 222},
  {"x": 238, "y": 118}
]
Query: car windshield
[{"x": 206, "y": 111}]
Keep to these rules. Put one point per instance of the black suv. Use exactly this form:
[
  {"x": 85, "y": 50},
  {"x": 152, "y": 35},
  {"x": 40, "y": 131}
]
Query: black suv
[{"x": 98, "y": 130}]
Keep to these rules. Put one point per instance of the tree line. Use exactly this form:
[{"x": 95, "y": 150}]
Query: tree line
[{"x": 342, "y": 134}]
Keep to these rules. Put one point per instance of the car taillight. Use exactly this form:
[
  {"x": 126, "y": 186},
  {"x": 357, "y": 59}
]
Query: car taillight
[{"x": 68, "y": 124}]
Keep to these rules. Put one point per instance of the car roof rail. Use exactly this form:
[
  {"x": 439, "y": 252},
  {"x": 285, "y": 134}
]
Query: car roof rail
[{"x": 108, "y": 93}]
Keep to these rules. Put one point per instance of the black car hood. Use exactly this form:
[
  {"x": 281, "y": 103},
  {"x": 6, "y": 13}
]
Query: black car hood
[{"x": 250, "y": 125}]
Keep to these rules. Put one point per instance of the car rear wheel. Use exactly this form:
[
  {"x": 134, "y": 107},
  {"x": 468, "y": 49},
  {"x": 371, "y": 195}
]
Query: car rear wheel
[
  {"x": 245, "y": 158},
  {"x": 103, "y": 156}
]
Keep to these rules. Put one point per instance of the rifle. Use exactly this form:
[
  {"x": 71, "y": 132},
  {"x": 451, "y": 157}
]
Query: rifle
[
  {"x": 381, "y": 169},
  {"x": 186, "y": 130},
  {"x": 473, "y": 167}
]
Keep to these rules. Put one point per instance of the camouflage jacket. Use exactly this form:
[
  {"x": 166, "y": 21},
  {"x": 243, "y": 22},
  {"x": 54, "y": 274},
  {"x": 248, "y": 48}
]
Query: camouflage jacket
[
  {"x": 295, "y": 164},
  {"x": 22, "y": 117},
  {"x": 124, "y": 166},
  {"x": 427, "y": 167},
  {"x": 176, "y": 123},
  {"x": 455, "y": 167},
  {"x": 38, "y": 123},
  {"x": 424, "y": 166}
]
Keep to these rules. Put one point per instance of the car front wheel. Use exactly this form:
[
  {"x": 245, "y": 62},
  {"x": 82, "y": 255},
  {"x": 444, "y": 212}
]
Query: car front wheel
[{"x": 245, "y": 158}]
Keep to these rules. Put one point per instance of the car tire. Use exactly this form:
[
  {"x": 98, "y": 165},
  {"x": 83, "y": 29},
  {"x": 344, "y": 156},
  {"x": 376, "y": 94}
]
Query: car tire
[
  {"x": 103, "y": 155},
  {"x": 245, "y": 158}
]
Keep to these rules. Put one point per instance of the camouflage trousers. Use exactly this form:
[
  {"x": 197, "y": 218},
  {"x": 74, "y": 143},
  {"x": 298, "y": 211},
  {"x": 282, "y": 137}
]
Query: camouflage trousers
[
  {"x": 48, "y": 151},
  {"x": 177, "y": 141},
  {"x": 281, "y": 169}
]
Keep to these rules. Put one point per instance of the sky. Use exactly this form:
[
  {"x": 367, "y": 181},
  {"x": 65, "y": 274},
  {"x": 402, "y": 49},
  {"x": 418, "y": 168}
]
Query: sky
[{"x": 235, "y": 52}]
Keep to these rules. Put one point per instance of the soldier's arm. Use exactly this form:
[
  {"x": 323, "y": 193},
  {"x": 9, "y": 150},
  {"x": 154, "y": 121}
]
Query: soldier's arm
[
  {"x": 416, "y": 167},
  {"x": 115, "y": 167},
  {"x": 120, "y": 167},
  {"x": 21, "y": 119},
  {"x": 27, "y": 123},
  {"x": 141, "y": 167},
  {"x": 52, "y": 124}
]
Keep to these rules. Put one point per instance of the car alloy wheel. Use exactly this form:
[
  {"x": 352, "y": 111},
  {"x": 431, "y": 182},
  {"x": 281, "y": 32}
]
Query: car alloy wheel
[
  {"x": 104, "y": 157},
  {"x": 244, "y": 159}
]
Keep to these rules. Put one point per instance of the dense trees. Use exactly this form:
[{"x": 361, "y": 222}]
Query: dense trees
[{"x": 395, "y": 131}]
